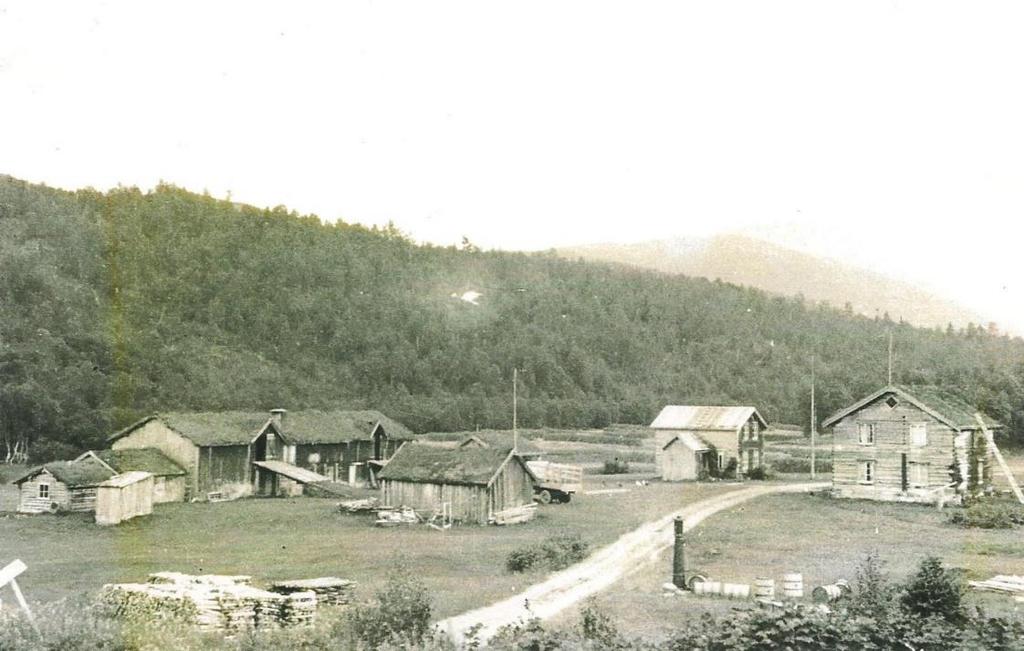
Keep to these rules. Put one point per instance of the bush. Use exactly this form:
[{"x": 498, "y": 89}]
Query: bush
[
  {"x": 797, "y": 465},
  {"x": 615, "y": 467},
  {"x": 400, "y": 616},
  {"x": 988, "y": 515},
  {"x": 759, "y": 474},
  {"x": 554, "y": 553},
  {"x": 934, "y": 591}
]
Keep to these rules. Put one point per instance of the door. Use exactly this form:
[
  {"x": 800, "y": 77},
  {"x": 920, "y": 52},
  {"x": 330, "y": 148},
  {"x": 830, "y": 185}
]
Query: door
[{"x": 904, "y": 477}]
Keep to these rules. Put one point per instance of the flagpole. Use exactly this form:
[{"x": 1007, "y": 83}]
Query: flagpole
[
  {"x": 515, "y": 398},
  {"x": 813, "y": 425}
]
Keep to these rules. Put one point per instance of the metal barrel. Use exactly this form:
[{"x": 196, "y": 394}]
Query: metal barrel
[
  {"x": 736, "y": 590},
  {"x": 764, "y": 588}
]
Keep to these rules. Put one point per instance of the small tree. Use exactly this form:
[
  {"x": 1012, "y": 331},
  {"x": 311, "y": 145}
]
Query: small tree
[
  {"x": 401, "y": 614},
  {"x": 934, "y": 591},
  {"x": 873, "y": 592}
]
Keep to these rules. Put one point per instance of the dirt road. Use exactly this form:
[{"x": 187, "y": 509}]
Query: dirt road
[{"x": 603, "y": 568}]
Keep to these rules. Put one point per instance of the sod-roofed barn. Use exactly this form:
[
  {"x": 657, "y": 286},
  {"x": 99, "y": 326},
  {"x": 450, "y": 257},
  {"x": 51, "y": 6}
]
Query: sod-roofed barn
[
  {"x": 169, "y": 479},
  {"x": 909, "y": 444},
  {"x": 61, "y": 486},
  {"x": 479, "y": 484},
  {"x": 525, "y": 448},
  {"x": 244, "y": 452}
]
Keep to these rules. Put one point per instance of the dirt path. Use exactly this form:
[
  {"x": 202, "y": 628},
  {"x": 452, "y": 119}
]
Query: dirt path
[{"x": 603, "y": 568}]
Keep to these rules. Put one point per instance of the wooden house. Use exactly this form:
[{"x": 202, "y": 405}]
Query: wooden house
[
  {"x": 478, "y": 484},
  {"x": 910, "y": 444},
  {"x": 228, "y": 452},
  {"x": 525, "y": 448},
  {"x": 693, "y": 441},
  {"x": 124, "y": 496},
  {"x": 169, "y": 479},
  {"x": 61, "y": 486}
]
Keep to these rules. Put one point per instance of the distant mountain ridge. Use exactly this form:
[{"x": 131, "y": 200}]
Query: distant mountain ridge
[{"x": 749, "y": 261}]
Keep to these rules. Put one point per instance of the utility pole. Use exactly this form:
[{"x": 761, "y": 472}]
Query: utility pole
[
  {"x": 890, "y": 358},
  {"x": 515, "y": 398},
  {"x": 814, "y": 426}
]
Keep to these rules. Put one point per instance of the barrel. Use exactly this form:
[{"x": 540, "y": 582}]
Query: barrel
[
  {"x": 698, "y": 587},
  {"x": 844, "y": 586},
  {"x": 764, "y": 589},
  {"x": 793, "y": 586},
  {"x": 694, "y": 580},
  {"x": 713, "y": 587},
  {"x": 736, "y": 590},
  {"x": 826, "y": 593}
]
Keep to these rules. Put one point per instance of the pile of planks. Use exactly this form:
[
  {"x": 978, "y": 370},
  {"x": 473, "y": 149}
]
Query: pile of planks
[
  {"x": 328, "y": 590},
  {"x": 1006, "y": 584},
  {"x": 222, "y": 603},
  {"x": 391, "y": 517},
  {"x": 515, "y": 515},
  {"x": 359, "y": 506}
]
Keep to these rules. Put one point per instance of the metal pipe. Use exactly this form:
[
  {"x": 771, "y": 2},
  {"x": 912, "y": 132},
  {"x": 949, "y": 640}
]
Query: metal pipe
[{"x": 679, "y": 569}]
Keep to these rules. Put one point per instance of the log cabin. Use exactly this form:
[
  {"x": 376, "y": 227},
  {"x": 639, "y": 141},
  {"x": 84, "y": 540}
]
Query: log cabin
[
  {"x": 228, "y": 452},
  {"x": 694, "y": 441},
  {"x": 477, "y": 483},
  {"x": 61, "y": 486},
  {"x": 909, "y": 444}
]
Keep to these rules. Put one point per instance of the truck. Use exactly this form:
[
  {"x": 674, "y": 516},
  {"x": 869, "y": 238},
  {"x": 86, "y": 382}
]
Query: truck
[{"x": 556, "y": 482}]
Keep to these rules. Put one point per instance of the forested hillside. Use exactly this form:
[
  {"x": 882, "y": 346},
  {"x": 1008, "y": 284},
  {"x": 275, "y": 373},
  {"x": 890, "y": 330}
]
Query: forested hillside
[{"x": 118, "y": 304}]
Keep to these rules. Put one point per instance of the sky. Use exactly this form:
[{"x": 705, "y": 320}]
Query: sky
[{"x": 885, "y": 134}]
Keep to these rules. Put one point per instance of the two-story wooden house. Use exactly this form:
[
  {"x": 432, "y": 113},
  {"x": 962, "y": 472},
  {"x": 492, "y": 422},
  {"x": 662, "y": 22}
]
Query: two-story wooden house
[
  {"x": 909, "y": 444},
  {"x": 691, "y": 441}
]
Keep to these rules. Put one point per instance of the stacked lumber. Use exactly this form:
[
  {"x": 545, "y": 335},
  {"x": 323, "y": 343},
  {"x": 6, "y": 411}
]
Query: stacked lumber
[
  {"x": 515, "y": 515},
  {"x": 391, "y": 517},
  {"x": 297, "y": 609},
  {"x": 328, "y": 590},
  {"x": 1006, "y": 584}
]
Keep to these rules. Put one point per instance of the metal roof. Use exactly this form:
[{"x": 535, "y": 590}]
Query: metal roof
[
  {"x": 688, "y": 439},
  {"x": 696, "y": 418}
]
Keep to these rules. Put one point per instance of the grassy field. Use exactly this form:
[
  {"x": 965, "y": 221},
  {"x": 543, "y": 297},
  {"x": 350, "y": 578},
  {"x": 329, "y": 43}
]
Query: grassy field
[
  {"x": 823, "y": 539},
  {"x": 307, "y": 537}
]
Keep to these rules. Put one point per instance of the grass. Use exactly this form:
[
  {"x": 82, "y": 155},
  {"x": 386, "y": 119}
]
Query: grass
[
  {"x": 824, "y": 539},
  {"x": 271, "y": 539}
]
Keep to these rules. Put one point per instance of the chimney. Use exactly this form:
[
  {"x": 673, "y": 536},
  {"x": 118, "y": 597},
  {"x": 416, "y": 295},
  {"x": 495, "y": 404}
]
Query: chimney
[{"x": 277, "y": 415}]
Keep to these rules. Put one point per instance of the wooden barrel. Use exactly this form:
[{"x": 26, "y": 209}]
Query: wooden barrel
[
  {"x": 827, "y": 593},
  {"x": 844, "y": 585},
  {"x": 764, "y": 588},
  {"x": 736, "y": 590},
  {"x": 713, "y": 587},
  {"x": 694, "y": 580},
  {"x": 793, "y": 586},
  {"x": 698, "y": 588}
]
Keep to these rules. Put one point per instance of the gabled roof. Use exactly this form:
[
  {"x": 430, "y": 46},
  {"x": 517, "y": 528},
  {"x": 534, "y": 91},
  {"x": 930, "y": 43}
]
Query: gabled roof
[
  {"x": 692, "y": 441},
  {"x": 502, "y": 439},
  {"x": 311, "y": 427},
  {"x": 126, "y": 479},
  {"x": 76, "y": 474},
  {"x": 944, "y": 407},
  {"x": 696, "y": 418},
  {"x": 471, "y": 465},
  {"x": 148, "y": 460},
  {"x": 303, "y": 427}
]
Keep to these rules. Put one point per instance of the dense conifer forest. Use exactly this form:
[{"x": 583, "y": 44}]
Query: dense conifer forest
[{"x": 116, "y": 304}]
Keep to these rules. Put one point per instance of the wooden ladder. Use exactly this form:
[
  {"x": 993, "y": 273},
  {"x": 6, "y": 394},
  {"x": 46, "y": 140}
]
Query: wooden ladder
[{"x": 990, "y": 440}]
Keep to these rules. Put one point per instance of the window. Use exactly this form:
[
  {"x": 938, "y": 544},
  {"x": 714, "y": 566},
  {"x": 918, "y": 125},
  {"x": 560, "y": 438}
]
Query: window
[
  {"x": 918, "y": 475},
  {"x": 867, "y": 472},
  {"x": 918, "y": 434},
  {"x": 44, "y": 491},
  {"x": 892, "y": 402},
  {"x": 866, "y": 433},
  {"x": 314, "y": 457}
]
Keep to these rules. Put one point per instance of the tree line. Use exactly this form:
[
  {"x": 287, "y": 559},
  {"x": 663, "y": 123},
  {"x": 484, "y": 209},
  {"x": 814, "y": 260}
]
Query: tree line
[{"x": 122, "y": 303}]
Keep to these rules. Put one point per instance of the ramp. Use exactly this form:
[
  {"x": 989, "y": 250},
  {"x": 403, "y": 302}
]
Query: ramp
[{"x": 294, "y": 473}]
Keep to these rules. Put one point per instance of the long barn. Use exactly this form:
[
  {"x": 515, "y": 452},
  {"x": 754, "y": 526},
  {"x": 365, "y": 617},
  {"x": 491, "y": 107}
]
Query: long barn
[{"x": 479, "y": 484}]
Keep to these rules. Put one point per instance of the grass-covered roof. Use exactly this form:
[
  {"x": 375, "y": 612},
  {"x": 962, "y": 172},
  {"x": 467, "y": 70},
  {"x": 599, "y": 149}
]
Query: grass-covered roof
[
  {"x": 424, "y": 463},
  {"x": 148, "y": 460}
]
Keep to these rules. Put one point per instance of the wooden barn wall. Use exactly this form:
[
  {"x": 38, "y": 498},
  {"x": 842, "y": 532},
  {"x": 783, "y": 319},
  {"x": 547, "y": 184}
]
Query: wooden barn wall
[
  {"x": 892, "y": 440},
  {"x": 116, "y": 504},
  {"x": 223, "y": 464},
  {"x": 335, "y": 458},
  {"x": 512, "y": 487},
  {"x": 31, "y": 502},
  {"x": 169, "y": 489},
  {"x": 155, "y": 434},
  {"x": 468, "y": 503}
]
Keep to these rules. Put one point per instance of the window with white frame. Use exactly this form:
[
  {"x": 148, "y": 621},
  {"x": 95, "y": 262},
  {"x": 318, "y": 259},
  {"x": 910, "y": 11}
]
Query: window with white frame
[
  {"x": 867, "y": 472},
  {"x": 44, "y": 491},
  {"x": 866, "y": 433},
  {"x": 919, "y": 475},
  {"x": 918, "y": 434}
]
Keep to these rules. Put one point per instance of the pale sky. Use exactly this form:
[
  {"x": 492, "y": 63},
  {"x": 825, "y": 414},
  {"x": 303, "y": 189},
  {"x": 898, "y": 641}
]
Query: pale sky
[{"x": 885, "y": 134}]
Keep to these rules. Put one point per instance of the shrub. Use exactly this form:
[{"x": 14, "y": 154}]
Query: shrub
[
  {"x": 988, "y": 514},
  {"x": 759, "y": 474},
  {"x": 934, "y": 591},
  {"x": 615, "y": 467},
  {"x": 554, "y": 553},
  {"x": 521, "y": 560},
  {"x": 401, "y": 614},
  {"x": 797, "y": 465}
]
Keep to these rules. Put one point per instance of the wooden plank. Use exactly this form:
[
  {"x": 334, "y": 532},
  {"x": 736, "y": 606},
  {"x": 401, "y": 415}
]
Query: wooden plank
[{"x": 990, "y": 440}]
